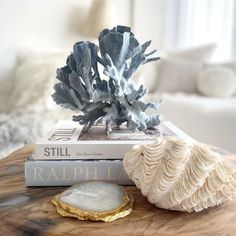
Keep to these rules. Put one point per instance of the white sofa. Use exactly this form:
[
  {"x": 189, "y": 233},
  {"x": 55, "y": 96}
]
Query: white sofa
[{"x": 206, "y": 119}]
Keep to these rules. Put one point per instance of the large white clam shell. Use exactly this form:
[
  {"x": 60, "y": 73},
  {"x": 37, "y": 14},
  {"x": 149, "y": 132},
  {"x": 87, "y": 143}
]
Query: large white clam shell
[{"x": 178, "y": 175}]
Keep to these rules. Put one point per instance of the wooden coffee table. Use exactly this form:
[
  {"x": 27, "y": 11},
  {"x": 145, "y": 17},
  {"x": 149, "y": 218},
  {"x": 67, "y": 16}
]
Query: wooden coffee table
[{"x": 28, "y": 211}]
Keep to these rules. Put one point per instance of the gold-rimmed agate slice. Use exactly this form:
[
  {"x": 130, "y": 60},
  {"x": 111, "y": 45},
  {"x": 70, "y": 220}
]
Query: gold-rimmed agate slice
[{"x": 94, "y": 200}]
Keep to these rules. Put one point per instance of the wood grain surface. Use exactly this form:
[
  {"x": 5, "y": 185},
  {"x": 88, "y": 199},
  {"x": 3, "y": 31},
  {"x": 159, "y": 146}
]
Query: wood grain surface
[{"x": 28, "y": 211}]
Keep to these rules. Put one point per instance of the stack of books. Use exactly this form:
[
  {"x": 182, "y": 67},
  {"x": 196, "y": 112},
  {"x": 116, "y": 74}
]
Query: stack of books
[{"x": 65, "y": 157}]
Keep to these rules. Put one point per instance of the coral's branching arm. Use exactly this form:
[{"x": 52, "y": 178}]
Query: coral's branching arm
[{"x": 62, "y": 96}]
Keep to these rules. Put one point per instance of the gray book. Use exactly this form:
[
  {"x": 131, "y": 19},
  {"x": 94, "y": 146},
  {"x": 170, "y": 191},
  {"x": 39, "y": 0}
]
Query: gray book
[{"x": 70, "y": 172}]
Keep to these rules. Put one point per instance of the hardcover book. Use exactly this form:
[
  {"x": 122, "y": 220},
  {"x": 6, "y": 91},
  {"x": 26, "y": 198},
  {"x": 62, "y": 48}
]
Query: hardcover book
[
  {"x": 69, "y": 172},
  {"x": 64, "y": 141}
]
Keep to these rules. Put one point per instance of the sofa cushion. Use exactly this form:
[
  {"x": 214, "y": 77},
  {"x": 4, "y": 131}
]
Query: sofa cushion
[
  {"x": 230, "y": 64},
  {"x": 217, "y": 82},
  {"x": 202, "y": 53},
  {"x": 150, "y": 76},
  {"x": 178, "y": 75}
]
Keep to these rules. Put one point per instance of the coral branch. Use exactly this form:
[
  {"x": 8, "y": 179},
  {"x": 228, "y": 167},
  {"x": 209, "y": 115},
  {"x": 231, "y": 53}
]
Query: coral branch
[{"x": 113, "y": 101}]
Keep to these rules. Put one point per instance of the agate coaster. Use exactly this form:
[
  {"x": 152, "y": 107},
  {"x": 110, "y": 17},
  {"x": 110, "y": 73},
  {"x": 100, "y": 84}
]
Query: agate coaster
[{"x": 94, "y": 200}]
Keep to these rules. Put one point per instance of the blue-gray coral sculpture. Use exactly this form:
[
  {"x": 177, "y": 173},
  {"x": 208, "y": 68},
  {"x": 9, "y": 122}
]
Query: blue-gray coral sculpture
[{"x": 113, "y": 101}]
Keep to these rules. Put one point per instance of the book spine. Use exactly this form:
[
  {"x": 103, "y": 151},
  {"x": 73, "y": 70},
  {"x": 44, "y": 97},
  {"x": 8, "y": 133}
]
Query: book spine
[
  {"x": 81, "y": 151},
  {"x": 67, "y": 173}
]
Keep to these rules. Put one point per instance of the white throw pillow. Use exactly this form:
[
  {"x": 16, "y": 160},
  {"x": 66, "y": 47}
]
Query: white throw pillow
[
  {"x": 230, "y": 65},
  {"x": 33, "y": 83},
  {"x": 7, "y": 66},
  {"x": 34, "y": 77},
  {"x": 178, "y": 76},
  {"x": 202, "y": 53},
  {"x": 217, "y": 82}
]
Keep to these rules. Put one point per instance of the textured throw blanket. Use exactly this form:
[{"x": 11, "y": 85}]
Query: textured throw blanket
[{"x": 20, "y": 128}]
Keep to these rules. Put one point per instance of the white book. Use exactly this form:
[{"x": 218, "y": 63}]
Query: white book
[{"x": 64, "y": 141}]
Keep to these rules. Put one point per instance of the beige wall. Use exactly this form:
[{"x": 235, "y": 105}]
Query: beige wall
[
  {"x": 48, "y": 23},
  {"x": 148, "y": 21}
]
